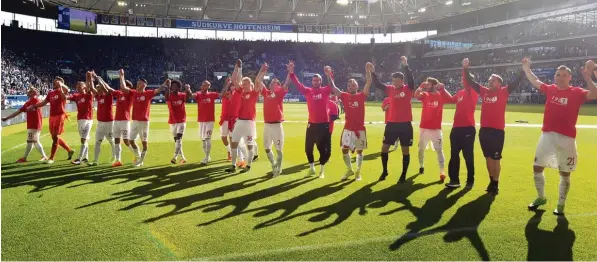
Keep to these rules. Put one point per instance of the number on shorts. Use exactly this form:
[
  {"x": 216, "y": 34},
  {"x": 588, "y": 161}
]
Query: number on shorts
[
  {"x": 249, "y": 138},
  {"x": 278, "y": 142},
  {"x": 125, "y": 132},
  {"x": 29, "y": 136},
  {"x": 209, "y": 132},
  {"x": 570, "y": 161}
]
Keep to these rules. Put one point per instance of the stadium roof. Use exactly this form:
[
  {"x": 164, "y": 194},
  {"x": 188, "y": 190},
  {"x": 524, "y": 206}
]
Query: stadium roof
[{"x": 356, "y": 12}]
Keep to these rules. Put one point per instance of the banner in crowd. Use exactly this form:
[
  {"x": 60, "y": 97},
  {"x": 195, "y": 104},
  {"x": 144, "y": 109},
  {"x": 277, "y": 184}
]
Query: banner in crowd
[
  {"x": 112, "y": 74},
  {"x": 219, "y": 75},
  {"x": 174, "y": 74},
  {"x": 544, "y": 72},
  {"x": 217, "y": 25}
]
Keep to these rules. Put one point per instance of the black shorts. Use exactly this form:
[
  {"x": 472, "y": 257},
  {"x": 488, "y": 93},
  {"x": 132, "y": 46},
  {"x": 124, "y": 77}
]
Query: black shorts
[
  {"x": 398, "y": 131},
  {"x": 317, "y": 132},
  {"x": 492, "y": 142}
]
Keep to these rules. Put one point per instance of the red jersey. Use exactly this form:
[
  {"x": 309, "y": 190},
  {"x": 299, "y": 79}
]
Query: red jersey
[
  {"x": 332, "y": 110},
  {"x": 225, "y": 105},
  {"x": 56, "y": 103},
  {"x": 176, "y": 106},
  {"x": 33, "y": 117},
  {"x": 354, "y": 105},
  {"x": 273, "y": 109},
  {"x": 234, "y": 104},
  {"x": 317, "y": 99},
  {"x": 400, "y": 103},
  {"x": 466, "y": 103},
  {"x": 561, "y": 109},
  {"x": 493, "y": 107},
  {"x": 247, "y": 105},
  {"x": 84, "y": 105},
  {"x": 206, "y": 106},
  {"x": 433, "y": 109},
  {"x": 141, "y": 102},
  {"x": 123, "y": 105},
  {"x": 385, "y": 103},
  {"x": 104, "y": 107}
]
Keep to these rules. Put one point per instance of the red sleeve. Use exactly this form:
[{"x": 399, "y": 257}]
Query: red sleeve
[
  {"x": 389, "y": 90},
  {"x": 264, "y": 91},
  {"x": 24, "y": 107},
  {"x": 422, "y": 96},
  {"x": 148, "y": 93},
  {"x": 71, "y": 97},
  {"x": 327, "y": 90},
  {"x": 544, "y": 88},
  {"x": 385, "y": 102},
  {"x": 343, "y": 96},
  {"x": 582, "y": 94},
  {"x": 301, "y": 88},
  {"x": 447, "y": 97},
  {"x": 48, "y": 96},
  {"x": 214, "y": 95}
]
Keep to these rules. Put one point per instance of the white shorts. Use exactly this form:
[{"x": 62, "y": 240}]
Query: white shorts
[
  {"x": 33, "y": 134},
  {"x": 556, "y": 151},
  {"x": 244, "y": 129},
  {"x": 140, "y": 128},
  {"x": 122, "y": 129},
  {"x": 224, "y": 131},
  {"x": 178, "y": 128},
  {"x": 206, "y": 129},
  {"x": 85, "y": 128},
  {"x": 352, "y": 142},
  {"x": 273, "y": 134},
  {"x": 433, "y": 135},
  {"x": 104, "y": 130}
]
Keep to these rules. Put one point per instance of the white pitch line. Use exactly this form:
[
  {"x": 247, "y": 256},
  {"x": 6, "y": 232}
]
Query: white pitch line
[
  {"x": 431, "y": 230},
  {"x": 20, "y": 145}
]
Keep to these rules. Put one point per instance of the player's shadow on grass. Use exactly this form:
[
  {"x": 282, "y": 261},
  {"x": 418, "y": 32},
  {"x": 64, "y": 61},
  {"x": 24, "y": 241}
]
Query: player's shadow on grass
[
  {"x": 548, "y": 245},
  {"x": 429, "y": 215}
]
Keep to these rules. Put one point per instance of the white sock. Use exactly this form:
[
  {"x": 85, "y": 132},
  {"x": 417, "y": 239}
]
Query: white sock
[
  {"x": 40, "y": 149},
  {"x": 228, "y": 148},
  {"x": 233, "y": 155},
  {"x": 440, "y": 159},
  {"x": 86, "y": 155},
  {"x": 28, "y": 149},
  {"x": 97, "y": 150},
  {"x": 206, "y": 147},
  {"x": 111, "y": 141},
  {"x": 346, "y": 158},
  {"x": 176, "y": 148},
  {"x": 540, "y": 184},
  {"x": 322, "y": 168},
  {"x": 359, "y": 161},
  {"x": 134, "y": 150},
  {"x": 180, "y": 152},
  {"x": 279, "y": 161},
  {"x": 255, "y": 150},
  {"x": 312, "y": 166},
  {"x": 564, "y": 188},
  {"x": 250, "y": 157},
  {"x": 118, "y": 152},
  {"x": 142, "y": 157},
  {"x": 82, "y": 152},
  {"x": 421, "y": 156},
  {"x": 270, "y": 156},
  {"x": 243, "y": 152}
]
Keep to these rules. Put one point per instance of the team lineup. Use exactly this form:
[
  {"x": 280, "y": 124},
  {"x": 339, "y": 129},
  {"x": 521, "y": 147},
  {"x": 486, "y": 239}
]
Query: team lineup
[{"x": 556, "y": 148}]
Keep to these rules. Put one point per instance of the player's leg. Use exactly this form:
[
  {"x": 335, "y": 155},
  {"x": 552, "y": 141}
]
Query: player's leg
[
  {"x": 242, "y": 152},
  {"x": 406, "y": 141},
  {"x": 224, "y": 134},
  {"x": 361, "y": 144},
  {"x": 456, "y": 144},
  {"x": 206, "y": 129},
  {"x": 82, "y": 128},
  {"x": 144, "y": 134},
  {"x": 136, "y": 129},
  {"x": 390, "y": 137},
  {"x": 29, "y": 147},
  {"x": 61, "y": 142},
  {"x": 100, "y": 134},
  {"x": 279, "y": 144},
  {"x": 53, "y": 129},
  {"x": 347, "y": 144},
  {"x": 234, "y": 143},
  {"x": 469, "y": 155},
  {"x": 424, "y": 137},
  {"x": 180, "y": 129},
  {"x": 250, "y": 139},
  {"x": 436, "y": 139},
  {"x": 567, "y": 160},
  {"x": 545, "y": 156},
  {"x": 310, "y": 139},
  {"x": 121, "y": 133},
  {"x": 255, "y": 147},
  {"x": 38, "y": 146},
  {"x": 324, "y": 144},
  {"x": 176, "y": 144},
  {"x": 268, "y": 140}
]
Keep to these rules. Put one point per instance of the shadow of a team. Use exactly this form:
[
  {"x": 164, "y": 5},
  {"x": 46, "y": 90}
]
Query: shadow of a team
[{"x": 163, "y": 180}]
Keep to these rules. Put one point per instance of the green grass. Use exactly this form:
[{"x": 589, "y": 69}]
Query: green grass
[{"x": 189, "y": 212}]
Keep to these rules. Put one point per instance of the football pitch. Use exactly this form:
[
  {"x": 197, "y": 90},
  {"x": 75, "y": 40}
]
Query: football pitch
[{"x": 191, "y": 212}]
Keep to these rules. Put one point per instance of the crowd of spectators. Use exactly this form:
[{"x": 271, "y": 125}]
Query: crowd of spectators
[{"x": 26, "y": 62}]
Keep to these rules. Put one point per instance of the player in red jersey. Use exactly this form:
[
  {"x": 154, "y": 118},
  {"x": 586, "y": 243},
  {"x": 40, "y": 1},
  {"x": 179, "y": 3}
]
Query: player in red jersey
[
  {"x": 431, "y": 122},
  {"x": 399, "y": 126},
  {"x": 273, "y": 116},
  {"x": 493, "y": 109},
  {"x": 557, "y": 144},
  {"x": 206, "y": 116},
  {"x": 385, "y": 107},
  {"x": 141, "y": 110},
  {"x": 354, "y": 136},
  {"x": 34, "y": 123},
  {"x": 57, "y": 100},
  {"x": 319, "y": 120},
  {"x": 462, "y": 136},
  {"x": 245, "y": 125},
  {"x": 105, "y": 118},
  {"x": 228, "y": 117},
  {"x": 178, "y": 115},
  {"x": 84, "y": 100},
  {"x": 334, "y": 112}
]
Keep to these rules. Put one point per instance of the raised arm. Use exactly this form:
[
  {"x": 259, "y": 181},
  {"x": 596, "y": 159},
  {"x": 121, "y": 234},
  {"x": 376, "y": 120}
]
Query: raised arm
[
  {"x": 237, "y": 75},
  {"x": 63, "y": 91},
  {"x": 587, "y": 73},
  {"x": 227, "y": 84},
  {"x": 526, "y": 66},
  {"x": 328, "y": 73},
  {"x": 123, "y": 86},
  {"x": 369, "y": 68},
  {"x": 187, "y": 90},
  {"x": 158, "y": 90},
  {"x": 422, "y": 87},
  {"x": 89, "y": 83},
  {"x": 446, "y": 96},
  {"x": 410, "y": 80},
  {"x": 514, "y": 84},
  {"x": 102, "y": 83},
  {"x": 375, "y": 82},
  {"x": 259, "y": 85},
  {"x": 286, "y": 83},
  {"x": 290, "y": 67},
  {"x": 166, "y": 86},
  {"x": 467, "y": 79}
]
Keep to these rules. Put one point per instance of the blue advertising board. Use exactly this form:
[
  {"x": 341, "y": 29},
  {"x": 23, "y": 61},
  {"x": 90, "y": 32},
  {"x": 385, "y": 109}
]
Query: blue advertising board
[{"x": 216, "y": 25}]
